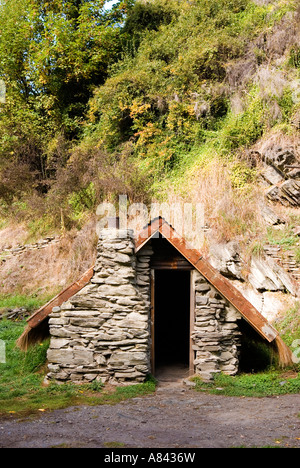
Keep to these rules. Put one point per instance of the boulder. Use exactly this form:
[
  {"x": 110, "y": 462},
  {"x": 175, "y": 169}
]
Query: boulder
[
  {"x": 280, "y": 157},
  {"x": 226, "y": 259},
  {"x": 267, "y": 275}
]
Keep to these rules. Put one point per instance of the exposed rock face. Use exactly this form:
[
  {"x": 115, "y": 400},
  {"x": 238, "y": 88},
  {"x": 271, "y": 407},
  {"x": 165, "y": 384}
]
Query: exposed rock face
[
  {"x": 270, "y": 281},
  {"x": 280, "y": 157},
  {"x": 269, "y": 216},
  {"x": 267, "y": 275},
  {"x": 226, "y": 259},
  {"x": 8, "y": 251},
  {"x": 267, "y": 272},
  {"x": 281, "y": 173},
  {"x": 288, "y": 193},
  {"x": 103, "y": 332}
]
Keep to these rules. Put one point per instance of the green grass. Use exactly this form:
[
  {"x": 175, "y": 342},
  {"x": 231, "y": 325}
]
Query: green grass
[
  {"x": 289, "y": 325},
  {"x": 275, "y": 382},
  {"x": 285, "y": 237},
  {"x": 31, "y": 302},
  {"x": 22, "y": 391},
  {"x": 21, "y": 381},
  {"x": 297, "y": 255}
]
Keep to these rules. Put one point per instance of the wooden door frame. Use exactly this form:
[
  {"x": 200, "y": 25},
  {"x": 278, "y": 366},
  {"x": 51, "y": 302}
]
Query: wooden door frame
[{"x": 152, "y": 321}]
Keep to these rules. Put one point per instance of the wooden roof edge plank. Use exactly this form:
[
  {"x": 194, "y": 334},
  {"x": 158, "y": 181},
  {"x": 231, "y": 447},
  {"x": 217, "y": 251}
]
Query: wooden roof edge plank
[
  {"x": 60, "y": 298},
  {"x": 148, "y": 232},
  {"x": 227, "y": 290}
]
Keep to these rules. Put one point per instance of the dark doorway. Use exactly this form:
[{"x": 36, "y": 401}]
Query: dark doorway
[
  {"x": 256, "y": 355},
  {"x": 172, "y": 320}
]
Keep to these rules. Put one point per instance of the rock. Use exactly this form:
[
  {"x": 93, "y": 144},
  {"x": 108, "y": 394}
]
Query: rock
[
  {"x": 287, "y": 193},
  {"x": 88, "y": 323},
  {"x": 226, "y": 259},
  {"x": 271, "y": 175},
  {"x": 267, "y": 275},
  {"x": 82, "y": 357},
  {"x": 58, "y": 343},
  {"x": 294, "y": 174},
  {"x": 189, "y": 383},
  {"x": 269, "y": 215},
  {"x": 290, "y": 191},
  {"x": 18, "y": 313},
  {"x": 116, "y": 290},
  {"x": 280, "y": 157},
  {"x": 59, "y": 356},
  {"x": 125, "y": 358}
]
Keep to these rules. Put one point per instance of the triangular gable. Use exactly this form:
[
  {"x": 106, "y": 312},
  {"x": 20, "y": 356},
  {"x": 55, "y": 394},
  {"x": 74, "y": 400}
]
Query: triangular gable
[{"x": 216, "y": 279}]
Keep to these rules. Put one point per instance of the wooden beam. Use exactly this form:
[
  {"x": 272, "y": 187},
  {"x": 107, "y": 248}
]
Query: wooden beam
[{"x": 149, "y": 231}]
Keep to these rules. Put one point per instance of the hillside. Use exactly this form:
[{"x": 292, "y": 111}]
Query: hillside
[{"x": 163, "y": 100}]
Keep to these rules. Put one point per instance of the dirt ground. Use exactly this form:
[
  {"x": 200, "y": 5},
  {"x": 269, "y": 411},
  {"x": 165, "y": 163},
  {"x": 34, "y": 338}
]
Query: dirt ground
[{"x": 176, "y": 416}]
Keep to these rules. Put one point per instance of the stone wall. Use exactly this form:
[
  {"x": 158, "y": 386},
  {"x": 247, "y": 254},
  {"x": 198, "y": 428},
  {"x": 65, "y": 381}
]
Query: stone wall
[
  {"x": 103, "y": 332},
  {"x": 285, "y": 258},
  {"x": 8, "y": 251},
  {"x": 216, "y": 333}
]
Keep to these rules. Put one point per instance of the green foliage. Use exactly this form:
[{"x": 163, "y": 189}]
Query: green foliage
[
  {"x": 295, "y": 56},
  {"x": 170, "y": 94},
  {"x": 83, "y": 200},
  {"x": 52, "y": 54},
  {"x": 284, "y": 237},
  {"x": 289, "y": 324},
  {"x": 297, "y": 255},
  {"x": 31, "y": 303},
  {"x": 157, "y": 77}
]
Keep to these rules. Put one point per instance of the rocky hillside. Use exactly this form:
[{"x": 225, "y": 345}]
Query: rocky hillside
[{"x": 163, "y": 100}]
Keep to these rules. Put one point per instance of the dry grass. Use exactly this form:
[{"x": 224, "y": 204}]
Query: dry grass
[
  {"x": 52, "y": 268},
  {"x": 229, "y": 212},
  {"x": 12, "y": 234},
  {"x": 281, "y": 139}
]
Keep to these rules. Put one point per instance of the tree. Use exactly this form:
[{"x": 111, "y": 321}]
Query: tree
[{"x": 52, "y": 55}]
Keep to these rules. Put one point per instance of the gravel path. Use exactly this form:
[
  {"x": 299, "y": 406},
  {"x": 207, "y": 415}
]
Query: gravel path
[{"x": 173, "y": 417}]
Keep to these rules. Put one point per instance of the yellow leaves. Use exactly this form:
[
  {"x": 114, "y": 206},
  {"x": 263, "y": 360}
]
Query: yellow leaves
[
  {"x": 148, "y": 132},
  {"x": 42, "y": 80},
  {"x": 138, "y": 109},
  {"x": 191, "y": 110},
  {"x": 122, "y": 106}
]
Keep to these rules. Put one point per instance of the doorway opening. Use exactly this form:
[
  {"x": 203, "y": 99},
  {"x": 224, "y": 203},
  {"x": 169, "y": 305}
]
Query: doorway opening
[{"x": 171, "y": 329}]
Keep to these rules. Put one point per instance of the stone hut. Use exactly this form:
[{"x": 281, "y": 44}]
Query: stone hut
[{"x": 148, "y": 302}]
